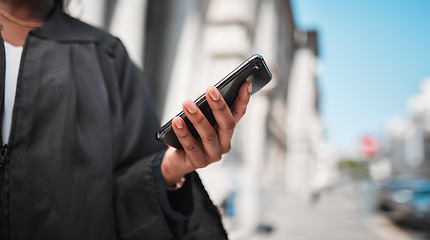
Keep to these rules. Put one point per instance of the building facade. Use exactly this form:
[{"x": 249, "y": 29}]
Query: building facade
[
  {"x": 185, "y": 46},
  {"x": 409, "y": 138}
]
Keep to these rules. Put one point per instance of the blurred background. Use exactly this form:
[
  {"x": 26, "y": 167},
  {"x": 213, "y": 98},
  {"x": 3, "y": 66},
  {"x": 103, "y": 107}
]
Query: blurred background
[{"x": 337, "y": 145}]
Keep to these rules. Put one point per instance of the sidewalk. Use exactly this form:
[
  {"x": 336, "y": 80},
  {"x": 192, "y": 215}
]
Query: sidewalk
[{"x": 338, "y": 215}]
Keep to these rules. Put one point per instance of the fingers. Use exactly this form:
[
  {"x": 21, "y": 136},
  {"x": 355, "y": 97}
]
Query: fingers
[
  {"x": 239, "y": 107},
  {"x": 223, "y": 117},
  {"x": 208, "y": 135},
  {"x": 190, "y": 145},
  {"x": 214, "y": 142}
]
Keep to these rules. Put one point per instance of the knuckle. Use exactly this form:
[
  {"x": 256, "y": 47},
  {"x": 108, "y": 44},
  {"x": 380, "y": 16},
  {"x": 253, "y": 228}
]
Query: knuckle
[
  {"x": 200, "y": 119},
  {"x": 185, "y": 135},
  {"x": 244, "y": 111},
  {"x": 231, "y": 125},
  {"x": 212, "y": 138},
  {"x": 244, "y": 99},
  {"x": 223, "y": 108},
  {"x": 204, "y": 163},
  {"x": 191, "y": 147},
  {"x": 227, "y": 148},
  {"x": 218, "y": 156},
  {"x": 240, "y": 113}
]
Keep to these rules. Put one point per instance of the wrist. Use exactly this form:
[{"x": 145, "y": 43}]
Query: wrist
[{"x": 171, "y": 171}]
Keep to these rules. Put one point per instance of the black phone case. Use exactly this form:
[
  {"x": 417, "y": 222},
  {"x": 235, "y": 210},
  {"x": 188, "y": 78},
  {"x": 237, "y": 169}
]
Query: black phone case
[{"x": 254, "y": 69}]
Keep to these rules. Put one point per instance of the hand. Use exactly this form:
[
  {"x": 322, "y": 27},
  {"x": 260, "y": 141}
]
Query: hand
[{"x": 215, "y": 141}]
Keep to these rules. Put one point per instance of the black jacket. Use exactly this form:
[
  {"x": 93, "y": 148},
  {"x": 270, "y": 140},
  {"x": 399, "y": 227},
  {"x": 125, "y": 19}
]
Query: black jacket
[{"x": 79, "y": 163}]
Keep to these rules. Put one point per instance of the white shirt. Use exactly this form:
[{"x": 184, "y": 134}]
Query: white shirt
[{"x": 13, "y": 59}]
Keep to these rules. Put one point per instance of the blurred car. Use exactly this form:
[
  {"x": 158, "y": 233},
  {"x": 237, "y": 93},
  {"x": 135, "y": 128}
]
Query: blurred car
[{"x": 407, "y": 202}]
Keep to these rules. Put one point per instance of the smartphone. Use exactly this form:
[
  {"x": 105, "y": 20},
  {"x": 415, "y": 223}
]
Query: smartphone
[{"x": 254, "y": 69}]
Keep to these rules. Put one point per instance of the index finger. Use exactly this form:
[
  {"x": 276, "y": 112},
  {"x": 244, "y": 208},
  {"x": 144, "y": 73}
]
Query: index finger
[{"x": 239, "y": 107}]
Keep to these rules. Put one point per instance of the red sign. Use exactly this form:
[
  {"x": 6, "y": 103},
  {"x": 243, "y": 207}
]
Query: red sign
[{"x": 369, "y": 146}]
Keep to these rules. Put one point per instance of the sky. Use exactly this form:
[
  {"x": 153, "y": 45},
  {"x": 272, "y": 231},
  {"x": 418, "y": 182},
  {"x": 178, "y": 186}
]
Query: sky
[{"x": 374, "y": 56}]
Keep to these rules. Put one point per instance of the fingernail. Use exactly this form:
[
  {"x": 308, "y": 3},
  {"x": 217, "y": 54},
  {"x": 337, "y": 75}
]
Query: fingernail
[
  {"x": 178, "y": 124},
  {"x": 189, "y": 105},
  {"x": 214, "y": 95},
  {"x": 250, "y": 87}
]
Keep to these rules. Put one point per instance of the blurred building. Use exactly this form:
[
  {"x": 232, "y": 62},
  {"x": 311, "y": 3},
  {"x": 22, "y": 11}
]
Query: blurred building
[
  {"x": 185, "y": 46},
  {"x": 409, "y": 137}
]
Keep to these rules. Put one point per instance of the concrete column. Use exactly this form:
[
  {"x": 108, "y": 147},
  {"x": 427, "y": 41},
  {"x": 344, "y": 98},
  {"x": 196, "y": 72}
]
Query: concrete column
[
  {"x": 89, "y": 11},
  {"x": 129, "y": 24},
  {"x": 254, "y": 156},
  {"x": 300, "y": 111}
]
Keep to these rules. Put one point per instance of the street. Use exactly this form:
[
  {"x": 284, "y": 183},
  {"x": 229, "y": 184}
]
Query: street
[{"x": 338, "y": 214}]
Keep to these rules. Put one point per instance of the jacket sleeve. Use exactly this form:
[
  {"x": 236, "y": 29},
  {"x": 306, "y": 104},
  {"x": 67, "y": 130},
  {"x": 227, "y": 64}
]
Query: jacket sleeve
[
  {"x": 143, "y": 209},
  {"x": 139, "y": 213}
]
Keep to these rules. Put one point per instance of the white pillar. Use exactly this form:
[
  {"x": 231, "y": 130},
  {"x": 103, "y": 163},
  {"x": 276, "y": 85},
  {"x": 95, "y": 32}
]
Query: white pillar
[
  {"x": 89, "y": 11},
  {"x": 300, "y": 111},
  {"x": 253, "y": 142},
  {"x": 129, "y": 24}
]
